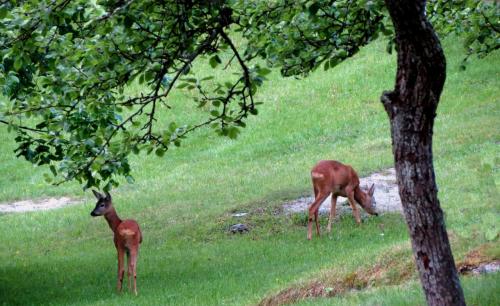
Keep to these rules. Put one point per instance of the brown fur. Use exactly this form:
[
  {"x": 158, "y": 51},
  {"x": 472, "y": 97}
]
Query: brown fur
[
  {"x": 127, "y": 237},
  {"x": 332, "y": 177}
]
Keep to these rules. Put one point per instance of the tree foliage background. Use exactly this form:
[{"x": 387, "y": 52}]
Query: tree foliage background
[{"x": 65, "y": 66}]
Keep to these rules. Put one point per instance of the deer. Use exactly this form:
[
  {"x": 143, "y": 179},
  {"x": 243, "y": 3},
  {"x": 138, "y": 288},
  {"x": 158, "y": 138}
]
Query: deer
[
  {"x": 127, "y": 237},
  {"x": 333, "y": 177}
]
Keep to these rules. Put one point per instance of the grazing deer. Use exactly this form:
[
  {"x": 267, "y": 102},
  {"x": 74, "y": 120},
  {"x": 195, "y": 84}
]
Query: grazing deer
[
  {"x": 329, "y": 176},
  {"x": 127, "y": 237}
]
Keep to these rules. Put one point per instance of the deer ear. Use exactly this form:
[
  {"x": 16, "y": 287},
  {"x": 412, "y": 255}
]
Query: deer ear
[
  {"x": 372, "y": 189},
  {"x": 97, "y": 194},
  {"x": 108, "y": 196}
]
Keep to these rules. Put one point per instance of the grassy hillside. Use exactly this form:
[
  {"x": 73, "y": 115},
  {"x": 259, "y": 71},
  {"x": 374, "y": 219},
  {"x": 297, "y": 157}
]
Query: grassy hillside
[{"x": 184, "y": 201}]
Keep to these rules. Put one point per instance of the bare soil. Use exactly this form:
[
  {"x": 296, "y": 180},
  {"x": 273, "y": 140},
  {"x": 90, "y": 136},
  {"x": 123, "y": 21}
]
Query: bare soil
[
  {"x": 386, "y": 196},
  {"x": 35, "y": 205},
  {"x": 480, "y": 260}
]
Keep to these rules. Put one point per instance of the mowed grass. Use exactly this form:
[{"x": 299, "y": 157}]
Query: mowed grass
[
  {"x": 479, "y": 290},
  {"x": 184, "y": 200}
]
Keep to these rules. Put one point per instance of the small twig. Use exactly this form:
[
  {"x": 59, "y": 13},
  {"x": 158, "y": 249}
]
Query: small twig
[
  {"x": 27, "y": 128},
  {"x": 229, "y": 62},
  {"x": 246, "y": 73}
]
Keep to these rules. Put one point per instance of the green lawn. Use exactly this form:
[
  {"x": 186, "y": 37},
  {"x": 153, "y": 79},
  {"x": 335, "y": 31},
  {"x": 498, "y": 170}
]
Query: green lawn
[
  {"x": 481, "y": 290},
  {"x": 184, "y": 200}
]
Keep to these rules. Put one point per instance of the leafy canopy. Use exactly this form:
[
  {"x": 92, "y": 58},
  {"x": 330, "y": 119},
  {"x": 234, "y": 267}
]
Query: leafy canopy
[{"x": 65, "y": 66}]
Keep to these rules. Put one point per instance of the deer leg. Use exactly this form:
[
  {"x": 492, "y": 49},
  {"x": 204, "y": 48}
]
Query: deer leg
[
  {"x": 355, "y": 210},
  {"x": 129, "y": 270},
  {"x": 316, "y": 191},
  {"x": 316, "y": 213},
  {"x": 121, "y": 269},
  {"x": 133, "y": 266},
  {"x": 333, "y": 209},
  {"x": 316, "y": 219},
  {"x": 313, "y": 208}
]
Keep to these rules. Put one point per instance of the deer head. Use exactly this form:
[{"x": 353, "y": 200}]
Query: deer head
[
  {"x": 369, "y": 203},
  {"x": 103, "y": 204}
]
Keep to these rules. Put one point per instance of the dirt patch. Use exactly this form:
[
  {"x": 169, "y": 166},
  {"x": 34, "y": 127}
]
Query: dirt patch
[
  {"x": 395, "y": 267},
  {"x": 487, "y": 267},
  {"x": 293, "y": 295},
  {"x": 481, "y": 260},
  {"x": 35, "y": 205},
  {"x": 386, "y": 196}
]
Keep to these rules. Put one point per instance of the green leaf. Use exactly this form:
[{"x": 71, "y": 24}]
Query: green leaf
[
  {"x": 149, "y": 75},
  {"x": 342, "y": 54},
  {"x": 160, "y": 152},
  {"x": 172, "y": 127},
  {"x": 13, "y": 79},
  {"x": 387, "y": 31},
  {"x": 313, "y": 8},
  {"x": 263, "y": 71},
  {"x": 233, "y": 132},
  {"x": 3, "y": 12},
  {"x": 334, "y": 62},
  {"x": 191, "y": 80},
  {"x": 18, "y": 63},
  {"x": 214, "y": 61},
  {"x": 389, "y": 46},
  {"x": 183, "y": 85}
]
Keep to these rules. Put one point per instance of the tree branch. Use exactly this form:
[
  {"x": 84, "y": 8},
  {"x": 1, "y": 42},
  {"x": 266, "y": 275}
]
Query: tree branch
[{"x": 27, "y": 128}]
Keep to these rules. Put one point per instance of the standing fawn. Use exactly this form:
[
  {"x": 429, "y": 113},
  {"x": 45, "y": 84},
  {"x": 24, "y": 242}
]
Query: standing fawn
[
  {"x": 329, "y": 176},
  {"x": 127, "y": 237}
]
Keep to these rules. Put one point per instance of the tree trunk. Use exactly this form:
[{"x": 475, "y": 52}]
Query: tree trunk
[{"x": 411, "y": 107}]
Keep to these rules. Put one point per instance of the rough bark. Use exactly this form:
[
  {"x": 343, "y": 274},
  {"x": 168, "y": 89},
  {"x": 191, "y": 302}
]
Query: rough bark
[{"x": 411, "y": 107}]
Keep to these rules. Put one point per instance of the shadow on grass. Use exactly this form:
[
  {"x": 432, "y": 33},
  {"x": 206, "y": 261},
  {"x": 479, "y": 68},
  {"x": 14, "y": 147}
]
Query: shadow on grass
[{"x": 59, "y": 282}]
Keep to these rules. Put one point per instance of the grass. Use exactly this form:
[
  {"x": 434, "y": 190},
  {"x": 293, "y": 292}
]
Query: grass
[
  {"x": 411, "y": 294},
  {"x": 184, "y": 201}
]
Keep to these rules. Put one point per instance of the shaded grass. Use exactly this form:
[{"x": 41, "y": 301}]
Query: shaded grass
[{"x": 183, "y": 201}]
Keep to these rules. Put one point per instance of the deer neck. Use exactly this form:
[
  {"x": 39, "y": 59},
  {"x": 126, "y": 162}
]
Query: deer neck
[{"x": 113, "y": 219}]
